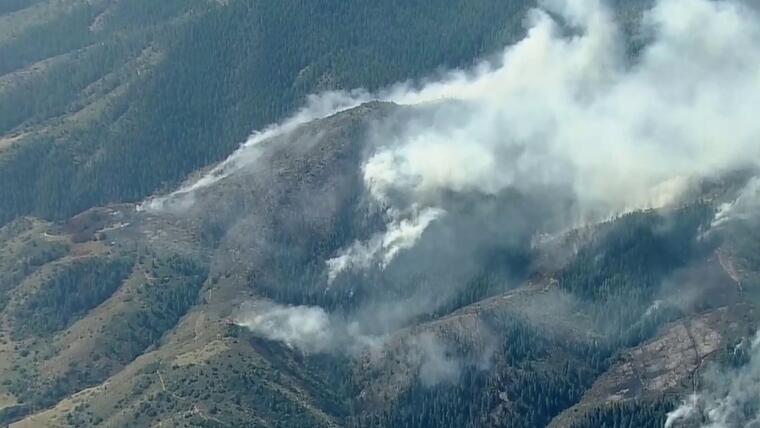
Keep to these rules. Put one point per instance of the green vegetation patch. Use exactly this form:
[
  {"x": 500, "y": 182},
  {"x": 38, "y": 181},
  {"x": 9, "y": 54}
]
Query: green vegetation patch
[{"x": 68, "y": 295}]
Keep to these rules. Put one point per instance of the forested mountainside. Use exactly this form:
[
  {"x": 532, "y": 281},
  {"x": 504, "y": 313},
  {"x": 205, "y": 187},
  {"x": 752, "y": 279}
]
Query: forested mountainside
[
  {"x": 102, "y": 95},
  {"x": 219, "y": 213},
  {"x": 121, "y": 316}
]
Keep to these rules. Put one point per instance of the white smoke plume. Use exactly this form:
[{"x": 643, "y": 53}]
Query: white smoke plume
[
  {"x": 317, "y": 107},
  {"x": 653, "y": 308},
  {"x": 571, "y": 109},
  {"x": 383, "y": 247},
  {"x": 729, "y": 399},
  {"x": 309, "y": 329},
  {"x": 684, "y": 411},
  {"x": 437, "y": 365},
  {"x": 304, "y": 327},
  {"x": 745, "y": 207}
]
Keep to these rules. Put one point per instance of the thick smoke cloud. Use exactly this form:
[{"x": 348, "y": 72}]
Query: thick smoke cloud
[
  {"x": 309, "y": 329},
  {"x": 573, "y": 109},
  {"x": 728, "y": 398},
  {"x": 745, "y": 208},
  {"x": 437, "y": 365},
  {"x": 383, "y": 247}
]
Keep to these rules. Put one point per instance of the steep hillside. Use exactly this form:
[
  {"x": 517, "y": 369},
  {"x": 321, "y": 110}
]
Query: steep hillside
[
  {"x": 103, "y": 95},
  {"x": 449, "y": 213},
  {"x": 123, "y": 316}
]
